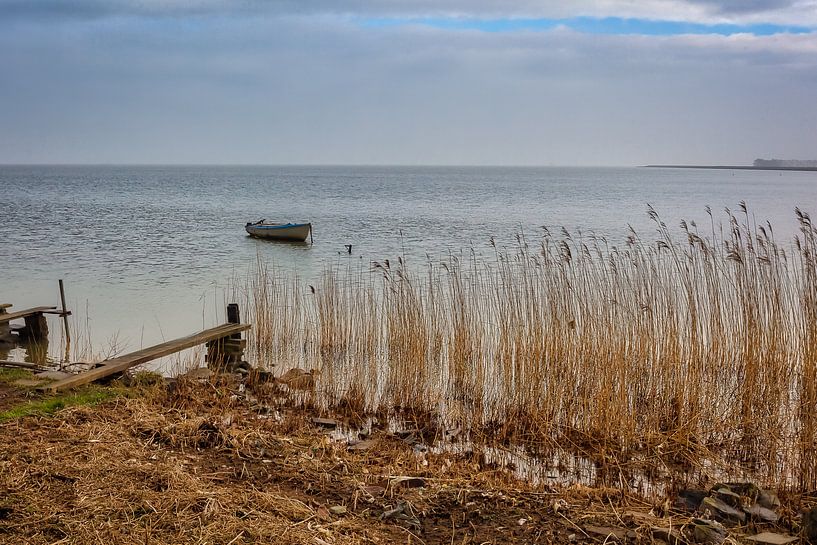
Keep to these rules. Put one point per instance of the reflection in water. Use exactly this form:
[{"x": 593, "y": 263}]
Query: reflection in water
[
  {"x": 36, "y": 351},
  {"x": 296, "y": 244},
  {"x": 146, "y": 251}
]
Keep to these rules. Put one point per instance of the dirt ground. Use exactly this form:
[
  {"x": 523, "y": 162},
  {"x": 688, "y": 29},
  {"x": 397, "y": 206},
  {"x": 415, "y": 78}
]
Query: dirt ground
[{"x": 197, "y": 463}]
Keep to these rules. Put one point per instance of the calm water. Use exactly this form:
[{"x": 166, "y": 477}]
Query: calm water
[{"x": 148, "y": 250}]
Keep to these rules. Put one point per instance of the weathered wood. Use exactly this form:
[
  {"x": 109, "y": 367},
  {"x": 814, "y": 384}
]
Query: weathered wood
[
  {"x": 233, "y": 317},
  {"x": 36, "y": 328},
  {"x": 23, "y": 364},
  {"x": 23, "y": 313},
  {"x": 123, "y": 363}
]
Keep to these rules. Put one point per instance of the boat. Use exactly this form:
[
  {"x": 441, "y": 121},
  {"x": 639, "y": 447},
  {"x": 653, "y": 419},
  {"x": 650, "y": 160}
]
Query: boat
[{"x": 280, "y": 231}]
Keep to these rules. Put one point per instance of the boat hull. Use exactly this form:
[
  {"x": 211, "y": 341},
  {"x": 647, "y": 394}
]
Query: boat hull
[{"x": 277, "y": 231}]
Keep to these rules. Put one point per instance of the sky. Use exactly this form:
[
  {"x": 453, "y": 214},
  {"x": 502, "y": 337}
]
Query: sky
[{"x": 426, "y": 82}]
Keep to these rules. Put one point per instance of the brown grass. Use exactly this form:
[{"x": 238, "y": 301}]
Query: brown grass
[
  {"x": 196, "y": 464},
  {"x": 705, "y": 347}
]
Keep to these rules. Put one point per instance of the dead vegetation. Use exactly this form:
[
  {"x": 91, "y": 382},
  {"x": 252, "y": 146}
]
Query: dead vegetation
[
  {"x": 202, "y": 462},
  {"x": 196, "y": 464},
  {"x": 681, "y": 352}
]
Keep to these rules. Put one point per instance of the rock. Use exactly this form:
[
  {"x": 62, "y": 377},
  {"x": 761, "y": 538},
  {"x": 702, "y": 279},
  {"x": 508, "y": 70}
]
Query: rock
[
  {"x": 727, "y": 496},
  {"x": 758, "y": 513},
  {"x": 690, "y": 499},
  {"x": 771, "y": 538},
  {"x": 338, "y": 509},
  {"x": 708, "y": 531},
  {"x": 672, "y": 536},
  {"x": 749, "y": 490},
  {"x": 327, "y": 423},
  {"x": 53, "y": 375},
  {"x": 768, "y": 499},
  {"x": 810, "y": 526},
  {"x": 721, "y": 511}
]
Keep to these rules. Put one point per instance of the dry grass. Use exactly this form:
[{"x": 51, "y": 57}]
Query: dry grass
[
  {"x": 196, "y": 464},
  {"x": 703, "y": 348}
]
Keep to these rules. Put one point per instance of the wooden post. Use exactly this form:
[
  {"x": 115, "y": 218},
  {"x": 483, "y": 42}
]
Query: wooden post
[
  {"x": 230, "y": 350},
  {"x": 233, "y": 317},
  {"x": 64, "y": 312},
  {"x": 4, "y": 327},
  {"x": 36, "y": 327},
  {"x": 65, "y": 315}
]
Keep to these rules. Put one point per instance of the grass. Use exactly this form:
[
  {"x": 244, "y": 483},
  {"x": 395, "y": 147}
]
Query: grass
[
  {"x": 50, "y": 405},
  {"x": 10, "y": 374},
  {"x": 677, "y": 350},
  {"x": 31, "y": 404}
]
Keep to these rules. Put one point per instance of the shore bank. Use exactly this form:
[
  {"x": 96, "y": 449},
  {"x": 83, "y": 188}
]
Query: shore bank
[{"x": 208, "y": 461}]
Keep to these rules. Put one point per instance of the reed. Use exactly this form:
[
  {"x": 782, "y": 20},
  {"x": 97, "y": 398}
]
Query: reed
[{"x": 700, "y": 345}]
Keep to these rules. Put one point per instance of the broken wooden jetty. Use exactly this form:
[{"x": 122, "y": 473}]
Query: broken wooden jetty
[
  {"x": 220, "y": 341},
  {"x": 36, "y": 327}
]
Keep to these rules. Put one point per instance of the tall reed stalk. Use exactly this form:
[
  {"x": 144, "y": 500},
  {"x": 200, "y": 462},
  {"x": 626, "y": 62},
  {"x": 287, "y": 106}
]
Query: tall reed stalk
[{"x": 708, "y": 342}]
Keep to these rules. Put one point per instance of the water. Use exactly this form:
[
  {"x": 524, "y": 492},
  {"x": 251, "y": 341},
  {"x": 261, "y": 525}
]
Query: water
[{"x": 146, "y": 251}]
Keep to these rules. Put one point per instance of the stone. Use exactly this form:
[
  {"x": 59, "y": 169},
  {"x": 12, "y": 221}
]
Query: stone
[
  {"x": 771, "y": 538},
  {"x": 721, "y": 511},
  {"x": 672, "y": 536},
  {"x": 328, "y": 423},
  {"x": 338, "y": 509},
  {"x": 53, "y": 375},
  {"x": 768, "y": 499},
  {"x": 758, "y": 513},
  {"x": 727, "y": 496},
  {"x": 690, "y": 499},
  {"x": 749, "y": 490},
  {"x": 708, "y": 532}
]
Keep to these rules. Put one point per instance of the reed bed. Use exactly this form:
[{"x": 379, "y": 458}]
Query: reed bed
[{"x": 707, "y": 343}]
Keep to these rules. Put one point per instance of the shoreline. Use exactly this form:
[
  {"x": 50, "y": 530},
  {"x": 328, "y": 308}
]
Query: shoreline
[
  {"x": 734, "y": 167},
  {"x": 225, "y": 459}
]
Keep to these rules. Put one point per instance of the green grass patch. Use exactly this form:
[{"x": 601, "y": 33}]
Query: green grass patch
[
  {"x": 10, "y": 374},
  {"x": 47, "y": 406}
]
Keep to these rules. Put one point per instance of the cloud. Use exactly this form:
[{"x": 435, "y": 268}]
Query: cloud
[
  {"x": 325, "y": 90},
  {"x": 701, "y": 11},
  {"x": 746, "y": 6}
]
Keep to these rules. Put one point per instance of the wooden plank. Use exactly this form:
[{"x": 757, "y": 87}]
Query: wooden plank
[
  {"x": 23, "y": 313},
  {"x": 24, "y": 364},
  {"x": 123, "y": 363}
]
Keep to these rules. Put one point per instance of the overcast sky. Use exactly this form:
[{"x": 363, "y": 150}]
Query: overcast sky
[{"x": 463, "y": 82}]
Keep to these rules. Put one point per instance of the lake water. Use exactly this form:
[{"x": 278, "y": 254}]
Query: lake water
[{"x": 145, "y": 252}]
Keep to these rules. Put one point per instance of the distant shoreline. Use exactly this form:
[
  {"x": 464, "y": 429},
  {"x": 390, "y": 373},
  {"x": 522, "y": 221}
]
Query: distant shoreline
[{"x": 735, "y": 167}]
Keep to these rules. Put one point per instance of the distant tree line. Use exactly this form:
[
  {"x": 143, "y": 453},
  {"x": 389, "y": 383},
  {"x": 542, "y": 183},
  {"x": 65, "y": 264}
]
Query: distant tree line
[{"x": 789, "y": 163}]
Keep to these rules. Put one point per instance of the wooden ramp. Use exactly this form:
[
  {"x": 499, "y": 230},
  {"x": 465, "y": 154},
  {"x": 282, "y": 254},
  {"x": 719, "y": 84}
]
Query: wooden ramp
[
  {"x": 9, "y": 316},
  {"x": 123, "y": 363}
]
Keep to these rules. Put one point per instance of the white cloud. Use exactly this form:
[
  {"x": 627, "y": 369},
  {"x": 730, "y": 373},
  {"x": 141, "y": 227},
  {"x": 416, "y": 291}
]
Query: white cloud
[{"x": 322, "y": 90}]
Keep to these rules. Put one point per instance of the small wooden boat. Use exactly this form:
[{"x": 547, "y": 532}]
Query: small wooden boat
[{"x": 280, "y": 231}]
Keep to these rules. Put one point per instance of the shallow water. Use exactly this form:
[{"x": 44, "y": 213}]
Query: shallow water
[{"x": 147, "y": 251}]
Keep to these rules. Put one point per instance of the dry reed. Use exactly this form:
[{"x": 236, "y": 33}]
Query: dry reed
[{"x": 707, "y": 345}]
